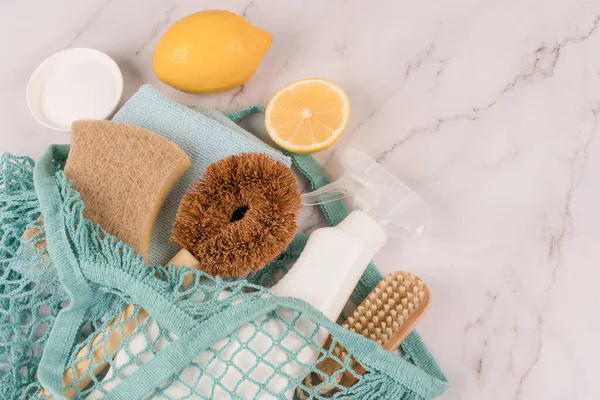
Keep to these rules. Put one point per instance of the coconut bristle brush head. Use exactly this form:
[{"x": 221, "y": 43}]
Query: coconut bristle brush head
[
  {"x": 238, "y": 217},
  {"x": 387, "y": 315},
  {"x": 391, "y": 311}
]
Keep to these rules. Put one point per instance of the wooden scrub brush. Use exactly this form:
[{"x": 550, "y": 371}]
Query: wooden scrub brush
[{"x": 387, "y": 315}]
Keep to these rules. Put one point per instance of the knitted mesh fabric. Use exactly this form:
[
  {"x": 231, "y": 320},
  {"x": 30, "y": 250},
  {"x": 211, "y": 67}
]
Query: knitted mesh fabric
[
  {"x": 123, "y": 174},
  {"x": 185, "y": 325},
  {"x": 30, "y": 294},
  {"x": 40, "y": 338}
]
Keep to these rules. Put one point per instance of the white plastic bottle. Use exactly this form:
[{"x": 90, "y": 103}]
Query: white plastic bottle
[
  {"x": 324, "y": 276},
  {"x": 332, "y": 263}
]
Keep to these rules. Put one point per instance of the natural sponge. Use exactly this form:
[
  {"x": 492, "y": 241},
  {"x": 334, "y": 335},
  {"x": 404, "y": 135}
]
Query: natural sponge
[
  {"x": 123, "y": 174},
  {"x": 240, "y": 215}
]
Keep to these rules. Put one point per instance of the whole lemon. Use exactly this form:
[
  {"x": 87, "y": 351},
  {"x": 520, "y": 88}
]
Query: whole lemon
[{"x": 209, "y": 51}]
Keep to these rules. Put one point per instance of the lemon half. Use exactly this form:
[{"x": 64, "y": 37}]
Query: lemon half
[{"x": 307, "y": 116}]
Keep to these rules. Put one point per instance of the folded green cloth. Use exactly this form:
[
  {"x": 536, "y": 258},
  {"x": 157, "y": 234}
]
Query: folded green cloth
[{"x": 205, "y": 135}]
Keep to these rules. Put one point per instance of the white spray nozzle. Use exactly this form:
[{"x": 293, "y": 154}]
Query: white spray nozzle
[{"x": 374, "y": 190}]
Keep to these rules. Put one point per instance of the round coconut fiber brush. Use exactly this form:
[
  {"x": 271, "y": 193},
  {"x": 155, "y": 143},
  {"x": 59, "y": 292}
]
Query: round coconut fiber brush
[{"x": 238, "y": 217}]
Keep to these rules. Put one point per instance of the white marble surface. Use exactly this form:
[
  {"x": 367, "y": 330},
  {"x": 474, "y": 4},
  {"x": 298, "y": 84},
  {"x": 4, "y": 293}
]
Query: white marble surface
[{"x": 490, "y": 109}]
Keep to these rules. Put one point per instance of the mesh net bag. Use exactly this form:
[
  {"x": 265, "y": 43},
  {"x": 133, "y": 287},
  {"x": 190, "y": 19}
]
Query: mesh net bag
[{"x": 84, "y": 317}]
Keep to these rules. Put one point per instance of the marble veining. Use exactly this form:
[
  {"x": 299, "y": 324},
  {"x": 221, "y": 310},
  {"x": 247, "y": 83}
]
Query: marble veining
[{"x": 488, "y": 108}]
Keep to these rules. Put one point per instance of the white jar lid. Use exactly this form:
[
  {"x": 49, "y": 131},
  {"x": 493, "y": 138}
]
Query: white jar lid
[{"x": 74, "y": 84}]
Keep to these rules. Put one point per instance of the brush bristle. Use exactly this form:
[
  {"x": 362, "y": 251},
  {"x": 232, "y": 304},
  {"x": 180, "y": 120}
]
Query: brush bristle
[
  {"x": 386, "y": 316},
  {"x": 240, "y": 215},
  {"x": 383, "y": 314}
]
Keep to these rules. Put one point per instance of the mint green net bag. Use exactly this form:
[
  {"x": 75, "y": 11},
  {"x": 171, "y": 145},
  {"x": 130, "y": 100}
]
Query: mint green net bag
[{"x": 187, "y": 347}]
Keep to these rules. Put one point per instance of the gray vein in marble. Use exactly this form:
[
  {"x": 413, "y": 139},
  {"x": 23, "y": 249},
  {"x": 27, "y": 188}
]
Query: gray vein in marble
[
  {"x": 235, "y": 94},
  {"x": 543, "y": 67},
  {"x": 77, "y": 33},
  {"x": 585, "y": 36},
  {"x": 545, "y": 61},
  {"x": 87, "y": 23},
  {"x": 444, "y": 168},
  {"x": 333, "y": 152},
  {"x": 479, "y": 322},
  {"x": 312, "y": 218},
  {"x": 535, "y": 361},
  {"x": 157, "y": 29},
  {"x": 412, "y": 67},
  {"x": 479, "y": 367},
  {"x": 305, "y": 188},
  {"x": 577, "y": 163},
  {"x": 439, "y": 123},
  {"x": 245, "y": 12},
  {"x": 442, "y": 68},
  {"x": 512, "y": 154},
  {"x": 309, "y": 227},
  {"x": 341, "y": 49},
  {"x": 511, "y": 362}
]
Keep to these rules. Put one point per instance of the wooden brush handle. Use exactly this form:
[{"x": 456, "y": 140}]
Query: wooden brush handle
[
  {"x": 112, "y": 337},
  {"x": 330, "y": 366}
]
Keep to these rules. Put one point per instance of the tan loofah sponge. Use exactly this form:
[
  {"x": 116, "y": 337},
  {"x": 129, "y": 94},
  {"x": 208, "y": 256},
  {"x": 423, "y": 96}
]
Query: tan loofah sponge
[{"x": 123, "y": 174}]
